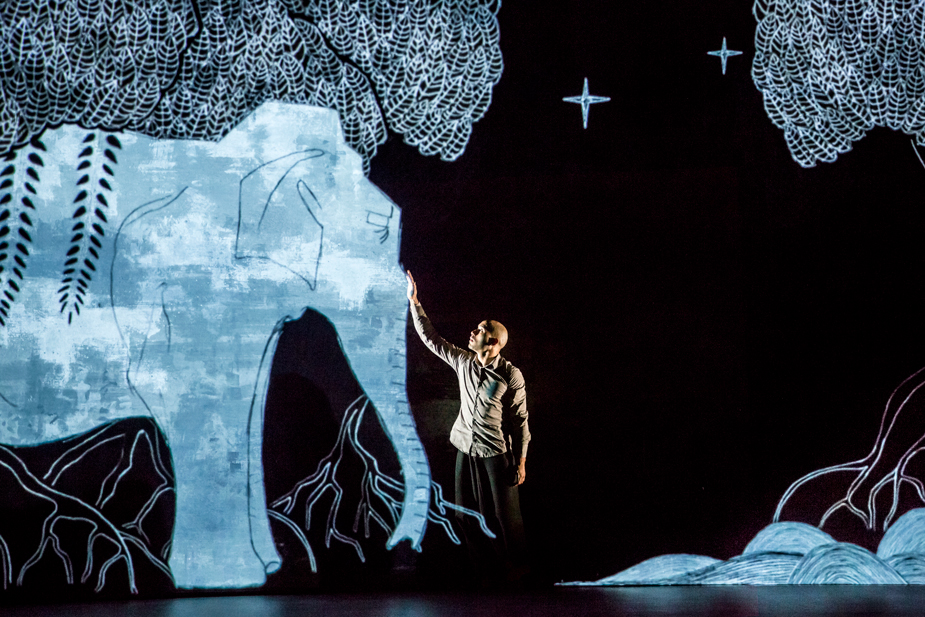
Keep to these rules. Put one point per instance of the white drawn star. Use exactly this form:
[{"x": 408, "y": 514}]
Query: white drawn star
[
  {"x": 724, "y": 54},
  {"x": 585, "y": 100}
]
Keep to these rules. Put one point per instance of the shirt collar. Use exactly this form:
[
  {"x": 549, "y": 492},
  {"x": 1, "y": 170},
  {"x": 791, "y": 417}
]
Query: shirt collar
[{"x": 494, "y": 362}]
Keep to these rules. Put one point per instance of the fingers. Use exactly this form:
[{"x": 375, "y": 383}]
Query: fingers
[{"x": 412, "y": 287}]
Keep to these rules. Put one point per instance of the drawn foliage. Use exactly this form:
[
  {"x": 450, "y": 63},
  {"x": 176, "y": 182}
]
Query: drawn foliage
[
  {"x": 17, "y": 192},
  {"x": 186, "y": 69},
  {"x": 193, "y": 69},
  {"x": 831, "y": 70},
  {"x": 95, "y": 168}
]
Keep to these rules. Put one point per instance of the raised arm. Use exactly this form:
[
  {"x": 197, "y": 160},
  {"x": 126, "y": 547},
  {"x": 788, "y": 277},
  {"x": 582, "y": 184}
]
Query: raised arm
[
  {"x": 449, "y": 353},
  {"x": 412, "y": 289}
]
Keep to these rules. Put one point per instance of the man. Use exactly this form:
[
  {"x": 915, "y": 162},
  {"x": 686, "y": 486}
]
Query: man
[{"x": 491, "y": 435}]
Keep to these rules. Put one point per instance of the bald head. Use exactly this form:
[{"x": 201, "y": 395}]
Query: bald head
[
  {"x": 497, "y": 330},
  {"x": 488, "y": 338}
]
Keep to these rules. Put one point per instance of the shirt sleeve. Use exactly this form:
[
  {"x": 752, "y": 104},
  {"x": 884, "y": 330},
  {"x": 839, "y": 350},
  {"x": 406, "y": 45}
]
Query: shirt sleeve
[
  {"x": 449, "y": 353},
  {"x": 518, "y": 426}
]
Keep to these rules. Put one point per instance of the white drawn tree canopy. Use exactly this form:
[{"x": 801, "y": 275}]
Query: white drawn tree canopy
[
  {"x": 192, "y": 69},
  {"x": 831, "y": 70}
]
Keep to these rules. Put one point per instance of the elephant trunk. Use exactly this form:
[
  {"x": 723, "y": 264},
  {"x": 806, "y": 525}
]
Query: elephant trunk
[{"x": 379, "y": 365}]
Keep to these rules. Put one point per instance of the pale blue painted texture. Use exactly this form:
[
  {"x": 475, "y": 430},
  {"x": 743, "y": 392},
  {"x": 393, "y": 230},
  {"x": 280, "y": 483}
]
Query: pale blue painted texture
[{"x": 209, "y": 248}]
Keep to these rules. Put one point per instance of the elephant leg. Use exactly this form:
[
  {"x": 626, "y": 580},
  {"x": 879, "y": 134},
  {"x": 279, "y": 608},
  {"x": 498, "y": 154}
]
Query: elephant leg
[
  {"x": 204, "y": 406},
  {"x": 212, "y": 542},
  {"x": 261, "y": 536}
]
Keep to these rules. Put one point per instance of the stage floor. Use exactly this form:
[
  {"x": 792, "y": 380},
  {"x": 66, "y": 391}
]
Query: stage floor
[{"x": 786, "y": 601}]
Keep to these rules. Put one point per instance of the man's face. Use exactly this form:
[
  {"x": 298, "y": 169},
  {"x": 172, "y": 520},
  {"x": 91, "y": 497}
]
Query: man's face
[{"x": 479, "y": 339}]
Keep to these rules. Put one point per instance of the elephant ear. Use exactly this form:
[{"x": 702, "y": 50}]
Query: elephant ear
[{"x": 279, "y": 215}]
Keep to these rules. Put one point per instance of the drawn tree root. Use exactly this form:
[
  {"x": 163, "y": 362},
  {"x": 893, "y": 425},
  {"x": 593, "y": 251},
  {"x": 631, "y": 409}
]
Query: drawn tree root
[
  {"x": 65, "y": 507},
  {"x": 64, "y": 488},
  {"x": 6, "y": 562},
  {"x": 881, "y": 469},
  {"x": 380, "y": 498}
]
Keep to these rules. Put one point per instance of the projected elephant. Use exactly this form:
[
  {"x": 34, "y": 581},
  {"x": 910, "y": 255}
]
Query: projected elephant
[{"x": 200, "y": 252}]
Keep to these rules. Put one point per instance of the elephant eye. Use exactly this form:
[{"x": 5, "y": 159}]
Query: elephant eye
[{"x": 380, "y": 224}]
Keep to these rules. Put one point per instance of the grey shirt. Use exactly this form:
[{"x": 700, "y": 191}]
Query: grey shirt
[{"x": 492, "y": 416}]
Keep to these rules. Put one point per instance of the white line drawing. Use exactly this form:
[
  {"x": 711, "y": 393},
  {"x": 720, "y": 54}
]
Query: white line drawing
[
  {"x": 106, "y": 542},
  {"x": 917, "y": 155},
  {"x": 585, "y": 100},
  {"x": 376, "y": 487},
  {"x": 724, "y": 54},
  {"x": 215, "y": 246},
  {"x": 883, "y": 468},
  {"x": 832, "y": 70},
  {"x": 193, "y": 70},
  {"x": 791, "y": 554},
  {"x": 797, "y": 553},
  {"x": 188, "y": 76}
]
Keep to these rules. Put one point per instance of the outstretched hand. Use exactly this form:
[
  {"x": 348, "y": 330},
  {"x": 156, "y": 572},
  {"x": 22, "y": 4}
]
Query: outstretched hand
[{"x": 412, "y": 288}]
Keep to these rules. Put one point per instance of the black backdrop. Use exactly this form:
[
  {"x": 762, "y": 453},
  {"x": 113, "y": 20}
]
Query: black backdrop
[{"x": 700, "y": 321}]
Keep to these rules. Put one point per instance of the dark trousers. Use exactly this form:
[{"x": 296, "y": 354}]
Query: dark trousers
[{"x": 487, "y": 485}]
